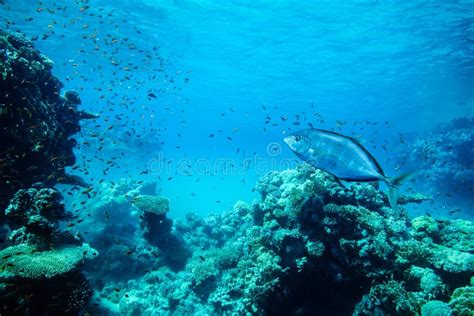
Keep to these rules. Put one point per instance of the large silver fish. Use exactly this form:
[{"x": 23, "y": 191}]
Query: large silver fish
[{"x": 342, "y": 156}]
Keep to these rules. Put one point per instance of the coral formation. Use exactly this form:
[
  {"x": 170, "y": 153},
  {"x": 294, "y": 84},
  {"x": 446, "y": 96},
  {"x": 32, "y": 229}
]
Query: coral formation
[
  {"x": 437, "y": 308},
  {"x": 157, "y": 229},
  {"x": 307, "y": 235},
  {"x": 42, "y": 257},
  {"x": 34, "y": 216},
  {"x": 462, "y": 300},
  {"x": 48, "y": 276},
  {"x": 36, "y": 120},
  {"x": 44, "y": 260},
  {"x": 112, "y": 229},
  {"x": 25, "y": 261},
  {"x": 446, "y": 154},
  {"x": 308, "y": 246},
  {"x": 158, "y": 205}
]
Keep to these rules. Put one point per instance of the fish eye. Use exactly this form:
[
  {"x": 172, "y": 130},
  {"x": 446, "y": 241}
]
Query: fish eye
[{"x": 297, "y": 138}]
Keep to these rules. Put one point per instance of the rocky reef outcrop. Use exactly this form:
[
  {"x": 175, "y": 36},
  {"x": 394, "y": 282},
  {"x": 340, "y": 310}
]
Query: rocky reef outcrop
[
  {"x": 41, "y": 265},
  {"x": 41, "y": 256},
  {"x": 311, "y": 246},
  {"x": 446, "y": 154},
  {"x": 157, "y": 229},
  {"x": 36, "y": 120}
]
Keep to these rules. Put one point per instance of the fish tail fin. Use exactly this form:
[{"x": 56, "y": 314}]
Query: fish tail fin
[
  {"x": 393, "y": 185},
  {"x": 393, "y": 197}
]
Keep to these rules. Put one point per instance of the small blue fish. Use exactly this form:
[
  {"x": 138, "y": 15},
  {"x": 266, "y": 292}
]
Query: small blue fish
[{"x": 343, "y": 157}]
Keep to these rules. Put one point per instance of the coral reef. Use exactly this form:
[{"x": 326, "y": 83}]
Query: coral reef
[
  {"x": 309, "y": 246},
  {"x": 446, "y": 154},
  {"x": 34, "y": 216},
  {"x": 112, "y": 227},
  {"x": 42, "y": 257},
  {"x": 157, "y": 229},
  {"x": 436, "y": 308},
  {"x": 462, "y": 300},
  {"x": 36, "y": 120},
  {"x": 25, "y": 261}
]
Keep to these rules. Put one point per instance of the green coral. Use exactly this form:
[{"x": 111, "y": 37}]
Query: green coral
[
  {"x": 424, "y": 226},
  {"x": 365, "y": 236},
  {"x": 228, "y": 256},
  {"x": 315, "y": 248},
  {"x": 202, "y": 269},
  {"x": 26, "y": 262},
  {"x": 368, "y": 195},
  {"x": 284, "y": 193},
  {"x": 452, "y": 260},
  {"x": 462, "y": 301},
  {"x": 207, "y": 264},
  {"x": 152, "y": 204},
  {"x": 393, "y": 297},
  {"x": 435, "y": 256},
  {"x": 241, "y": 208},
  {"x": 443, "y": 245},
  {"x": 457, "y": 234},
  {"x": 436, "y": 308},
  {"x": 430, "y": 284},
  {"x": 413, "y": 198}
]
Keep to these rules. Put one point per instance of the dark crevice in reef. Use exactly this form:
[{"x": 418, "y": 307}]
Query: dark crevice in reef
[{"x": 315, "y": 292}]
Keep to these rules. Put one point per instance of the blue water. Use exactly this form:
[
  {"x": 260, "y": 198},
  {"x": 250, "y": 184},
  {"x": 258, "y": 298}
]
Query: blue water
[
  {"x": 197, "y": 96},
  {"x": 235, "y": 68}
]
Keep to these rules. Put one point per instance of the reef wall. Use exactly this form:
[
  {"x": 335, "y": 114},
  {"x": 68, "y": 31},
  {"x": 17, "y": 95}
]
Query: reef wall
[
  {"x": 309, "y": 247},
  {"x": 36, "y": 120},
  {"x": 41, "y": 256},
  {"x": 446, "y": 154}
]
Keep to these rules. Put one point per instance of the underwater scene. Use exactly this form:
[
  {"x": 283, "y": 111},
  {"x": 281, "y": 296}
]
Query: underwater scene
[{"x": 232, "y": 157}]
